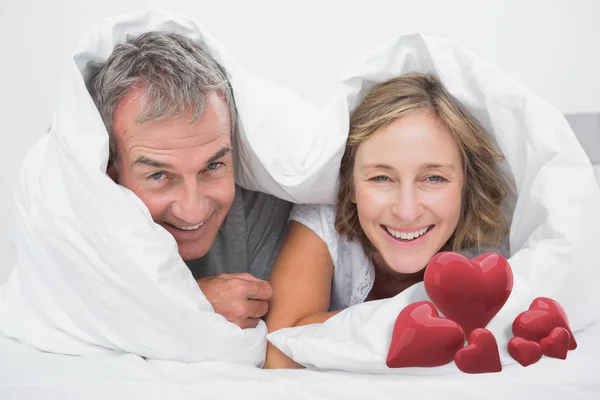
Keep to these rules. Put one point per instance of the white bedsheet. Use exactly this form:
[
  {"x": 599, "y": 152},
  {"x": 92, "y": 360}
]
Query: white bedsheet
[{"x": 26, "y": 373}]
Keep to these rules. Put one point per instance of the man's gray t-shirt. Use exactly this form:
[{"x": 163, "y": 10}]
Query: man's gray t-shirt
[{"x": 249, "y": 238}]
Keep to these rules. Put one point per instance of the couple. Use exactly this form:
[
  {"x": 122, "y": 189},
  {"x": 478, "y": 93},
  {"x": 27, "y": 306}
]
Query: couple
[{"x": 418, "y": 176}]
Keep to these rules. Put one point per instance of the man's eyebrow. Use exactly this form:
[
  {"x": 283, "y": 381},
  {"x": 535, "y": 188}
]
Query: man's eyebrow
[
  {"x": 157, "y": 164},
  {"x": 219, "y": 154},
  {"x": 150, "y": 162}
]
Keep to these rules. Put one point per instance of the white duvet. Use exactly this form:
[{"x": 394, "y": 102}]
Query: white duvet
[
  {"x": 27, "y": 374},
  {"x": 95, "y": 275}
]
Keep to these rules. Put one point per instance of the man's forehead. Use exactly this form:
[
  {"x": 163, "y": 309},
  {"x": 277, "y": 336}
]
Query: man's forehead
[
  {"x": 141, "y": 104},
  {"x": 214, "y": 120}
]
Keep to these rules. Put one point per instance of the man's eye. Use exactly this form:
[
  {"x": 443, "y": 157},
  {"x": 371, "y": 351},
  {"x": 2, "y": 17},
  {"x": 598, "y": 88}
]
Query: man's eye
[
  {"x": 213, "y": 166},
  {"x": 157, "y": 176},
  {"x": 435, "y": 179}
]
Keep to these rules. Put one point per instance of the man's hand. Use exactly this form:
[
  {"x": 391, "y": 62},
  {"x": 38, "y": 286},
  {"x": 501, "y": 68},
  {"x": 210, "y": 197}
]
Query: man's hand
[{"x": 240, "y": 298}]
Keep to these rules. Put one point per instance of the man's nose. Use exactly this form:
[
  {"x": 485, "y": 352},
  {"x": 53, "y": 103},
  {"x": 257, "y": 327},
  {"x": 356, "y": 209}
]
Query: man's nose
[
  {"x": 408, "y": 205},
  {"x": 190, "y": 203}
]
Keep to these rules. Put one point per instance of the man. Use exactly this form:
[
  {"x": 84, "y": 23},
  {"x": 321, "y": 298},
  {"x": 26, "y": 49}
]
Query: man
[{"x": 170, "y": 115}]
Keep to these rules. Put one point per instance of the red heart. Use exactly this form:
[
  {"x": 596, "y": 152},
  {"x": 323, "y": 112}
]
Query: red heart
[
  {"x": 470, "y": 292},
  {"x": 421, "y": 338},
  {"x": 544, "y": 314},
  {"x": 524, "y": 351},
  {"x": 481, "y": 355},
  {"x": 556, "y": 344}
]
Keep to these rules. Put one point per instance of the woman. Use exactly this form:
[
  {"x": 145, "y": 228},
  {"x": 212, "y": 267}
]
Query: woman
[{"x": 418, "y": 176}]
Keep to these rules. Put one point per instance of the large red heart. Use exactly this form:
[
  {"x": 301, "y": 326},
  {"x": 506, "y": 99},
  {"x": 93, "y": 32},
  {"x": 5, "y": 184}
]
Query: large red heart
[
  {"x": 524, "y": 351},
  {"x": 470, "y": 292},
  {"x": 421, "y": 338},
  {"x": 481, "y": 355},
  {"x": 544, "y": 314},
  {"x": 556, "y": 344}
]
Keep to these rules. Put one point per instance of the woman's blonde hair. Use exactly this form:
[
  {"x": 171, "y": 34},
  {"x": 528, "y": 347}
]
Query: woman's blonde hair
[{"x": 482, "y": 222}]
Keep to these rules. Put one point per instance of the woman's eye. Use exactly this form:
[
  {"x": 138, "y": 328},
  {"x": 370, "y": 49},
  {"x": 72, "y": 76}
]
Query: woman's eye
[
  {"x": 380, "y": 178},
  {"x": 213, "y": 166},
  {"x": 435, "y": 179},
  {"x": 157, "y": 176}
]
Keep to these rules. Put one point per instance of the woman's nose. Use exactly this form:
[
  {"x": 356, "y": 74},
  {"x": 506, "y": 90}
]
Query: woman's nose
[{"x": 407, "y": 205}]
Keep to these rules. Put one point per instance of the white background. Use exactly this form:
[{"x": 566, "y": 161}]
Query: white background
[{"x": 552, "y": 46}]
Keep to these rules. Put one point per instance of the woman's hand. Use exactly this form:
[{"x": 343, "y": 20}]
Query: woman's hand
[{"x": 277, "y": 360}]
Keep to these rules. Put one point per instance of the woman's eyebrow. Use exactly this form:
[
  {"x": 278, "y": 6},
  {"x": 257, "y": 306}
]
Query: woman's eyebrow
[
  {"x": 422, "y": 166},
  {"x": 438, "y": 166},
  {"x": 376, "y": 166}
]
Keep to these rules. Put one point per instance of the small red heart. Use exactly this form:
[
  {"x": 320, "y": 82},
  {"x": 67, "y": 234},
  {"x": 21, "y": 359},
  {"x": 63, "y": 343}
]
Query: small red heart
[
  {"x": 556, "y": 344},
  {"x": 470, "y": 292},
  {"x": 480, "y": 355},
  {"x": 524, "y": 351},
  {"x": 543, "y": 316},
  {"x": 421, "y": 338}
]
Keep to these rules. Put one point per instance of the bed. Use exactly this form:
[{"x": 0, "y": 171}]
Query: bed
[
  {"x": 26, "y": 373},
  {"x": 29, "y": 374}
]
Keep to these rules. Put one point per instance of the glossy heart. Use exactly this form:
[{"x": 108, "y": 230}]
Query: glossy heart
[
  {"x": 524, "y": 351},
  {"x": 480, "y": 355},
  {"x": 556, "y": 344},
  {"x": 470, "y": 292},
  {"x": 543, "y": 316},
  {"x": 421, "y": 338}
]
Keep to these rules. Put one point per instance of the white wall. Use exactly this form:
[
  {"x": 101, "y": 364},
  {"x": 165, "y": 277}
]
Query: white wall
[{"x": 551, "y": 46}]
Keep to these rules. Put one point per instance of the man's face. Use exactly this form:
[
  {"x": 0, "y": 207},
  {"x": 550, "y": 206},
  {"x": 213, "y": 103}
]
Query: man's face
[{"x": 183, "y": 173}]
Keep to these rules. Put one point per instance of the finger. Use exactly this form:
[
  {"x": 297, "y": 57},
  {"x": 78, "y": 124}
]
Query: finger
[
  {"x": 246, "y": 276},
  {"x": 259, "y": 290},
  {"x": 256, "y": 308}
]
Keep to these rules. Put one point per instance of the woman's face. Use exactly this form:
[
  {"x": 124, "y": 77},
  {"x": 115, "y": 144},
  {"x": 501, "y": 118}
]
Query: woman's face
[{"x": 408, "y": 181}]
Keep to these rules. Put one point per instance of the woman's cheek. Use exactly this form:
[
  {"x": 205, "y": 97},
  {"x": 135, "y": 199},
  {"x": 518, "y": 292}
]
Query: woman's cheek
[
  {"x": 371, "y": 201},
  {"x": 446, "y": 202}
]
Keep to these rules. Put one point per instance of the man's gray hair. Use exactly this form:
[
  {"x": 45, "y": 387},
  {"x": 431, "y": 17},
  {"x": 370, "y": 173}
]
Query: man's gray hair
[{"x": 176, "y": 72}]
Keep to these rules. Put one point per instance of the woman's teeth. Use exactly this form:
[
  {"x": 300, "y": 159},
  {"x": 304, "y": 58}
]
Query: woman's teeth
[{"x": 407, "y": 235}]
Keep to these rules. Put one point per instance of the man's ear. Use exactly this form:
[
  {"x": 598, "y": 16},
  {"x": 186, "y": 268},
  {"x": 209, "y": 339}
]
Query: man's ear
[{"x": 111, "y": 170}]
